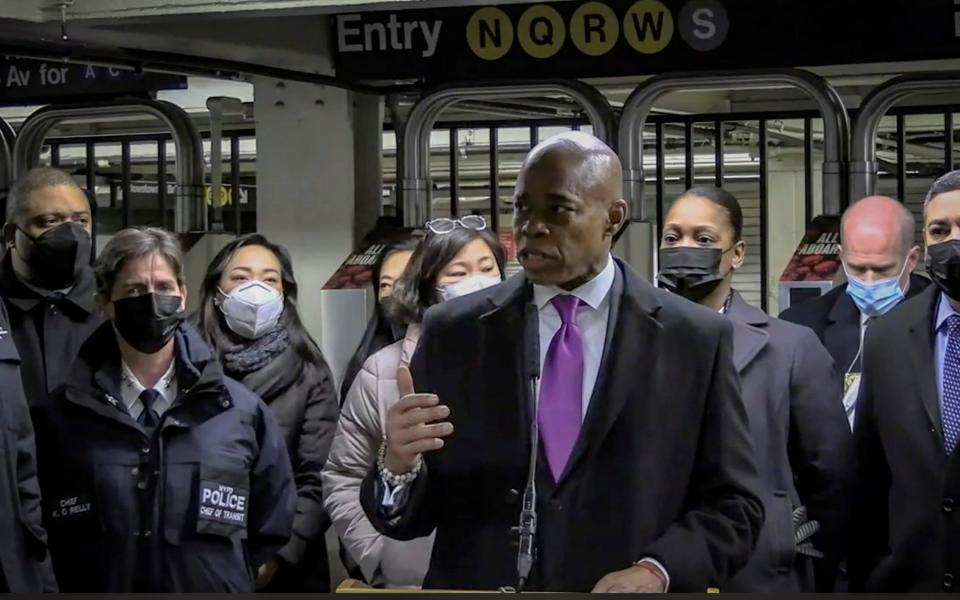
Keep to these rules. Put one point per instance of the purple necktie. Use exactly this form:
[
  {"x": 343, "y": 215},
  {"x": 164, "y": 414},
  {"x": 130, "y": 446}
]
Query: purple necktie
[{"x": 561, "y": 388}]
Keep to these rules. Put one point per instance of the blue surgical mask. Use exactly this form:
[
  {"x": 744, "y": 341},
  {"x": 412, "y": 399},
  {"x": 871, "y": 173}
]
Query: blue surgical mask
[{"x": 877, "y": 297}]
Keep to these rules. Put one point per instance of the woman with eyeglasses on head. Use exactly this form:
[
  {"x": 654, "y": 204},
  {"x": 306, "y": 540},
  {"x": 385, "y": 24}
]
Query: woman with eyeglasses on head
[
  {"x": 248, "y": 314},
  {"x": 791, "y": 394},
  {"x": 456, "y": 258}
]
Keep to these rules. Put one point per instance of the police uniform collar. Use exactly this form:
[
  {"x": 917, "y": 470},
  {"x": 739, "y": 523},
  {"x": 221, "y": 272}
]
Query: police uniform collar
[
  {"x": 20, "y": 295},
  {"x": 98, "y": 371}
]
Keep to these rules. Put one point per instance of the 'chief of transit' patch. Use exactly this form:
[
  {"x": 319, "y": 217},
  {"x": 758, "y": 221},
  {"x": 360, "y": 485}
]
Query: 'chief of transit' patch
[{"x": 223, "y": 503}]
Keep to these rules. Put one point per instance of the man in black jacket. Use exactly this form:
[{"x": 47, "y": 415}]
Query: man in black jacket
[
  {"x": 646, "y": 481},
  {"x": 46, "y": 280},
  {"x": 160, "y": 473},
  {"x": 906, "y": 526},
  {"x": 24, "y": 564},
  {"x": 879, "y": 254}
]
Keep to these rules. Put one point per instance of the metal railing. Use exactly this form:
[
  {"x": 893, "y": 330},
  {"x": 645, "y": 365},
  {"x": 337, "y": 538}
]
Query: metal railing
[
  {"x": 190, "y": 212},
  {"x": 640, "y": 103},
  {"x": 414, "y": 189},
  {"x": 7, "y": 140},
  {"x": 864, "y": 166}
]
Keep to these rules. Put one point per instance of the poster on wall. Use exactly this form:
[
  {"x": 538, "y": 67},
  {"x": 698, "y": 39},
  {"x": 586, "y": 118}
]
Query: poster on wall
[
  {"x": 815, "y": 263},
  {"x": 817, "y": 257}
]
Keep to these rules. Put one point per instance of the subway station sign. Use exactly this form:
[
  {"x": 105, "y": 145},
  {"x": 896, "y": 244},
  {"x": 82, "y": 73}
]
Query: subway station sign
[
  {"x": 36, "y": 81},
  {"x": 606, "y": 38}
]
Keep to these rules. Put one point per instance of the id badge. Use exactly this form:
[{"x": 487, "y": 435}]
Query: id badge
[{"x": 851, "y": 388}]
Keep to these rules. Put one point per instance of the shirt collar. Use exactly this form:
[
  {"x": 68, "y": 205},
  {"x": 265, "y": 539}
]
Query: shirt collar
[
  {"x": 944, "y": 311},
  {"x": 591, "y": 293},
  {"x": 25, "y": 297},
  {"x": 44, "y": 293},
  {"x": 130, "y": 381}
]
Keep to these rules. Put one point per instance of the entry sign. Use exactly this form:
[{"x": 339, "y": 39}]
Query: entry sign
[
  {"x": 602, "y": 38},
  {"x": 35, "y": 81}
]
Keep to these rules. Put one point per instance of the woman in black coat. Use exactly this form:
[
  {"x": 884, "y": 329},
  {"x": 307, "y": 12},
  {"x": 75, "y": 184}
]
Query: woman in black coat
[
  {"x": 248, "y": 313},
  {"x": 381, "y": 332}
]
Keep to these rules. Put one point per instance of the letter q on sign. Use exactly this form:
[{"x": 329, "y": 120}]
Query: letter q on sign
[{"x": 541, "y": 31}]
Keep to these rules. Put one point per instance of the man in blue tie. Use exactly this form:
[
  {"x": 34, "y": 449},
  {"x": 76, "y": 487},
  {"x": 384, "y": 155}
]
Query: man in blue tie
[
  {"x": 644, "y": 478},
  {"x": 907, "y": 518}
]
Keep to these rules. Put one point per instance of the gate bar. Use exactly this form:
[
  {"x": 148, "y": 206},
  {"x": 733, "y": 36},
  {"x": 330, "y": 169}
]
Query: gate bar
[
  {"x": 640, "y": 103},
  {"x": 7, "y": 141},
  {"x": 414, "y": 189},
  {"x": 190, "y": 213},
  {"x": 863, "y": 161}
]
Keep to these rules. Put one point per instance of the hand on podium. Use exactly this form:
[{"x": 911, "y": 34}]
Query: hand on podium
[
  {"x": 638, "y": 579},
  {"x": 412, "y": 426}
]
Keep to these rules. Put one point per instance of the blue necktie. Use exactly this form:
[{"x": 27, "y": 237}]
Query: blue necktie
[{"x": 951, "y": 386}]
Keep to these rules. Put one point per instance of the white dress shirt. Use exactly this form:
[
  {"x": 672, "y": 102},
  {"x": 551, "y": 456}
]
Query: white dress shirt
[
  {"x": 851, "y": 379},
  {"x": 131, "y": 389},
  {"x": 592, "y": 317}
]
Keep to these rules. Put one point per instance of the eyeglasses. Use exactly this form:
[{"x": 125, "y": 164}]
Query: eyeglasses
[{"x": 445, "y": 225}]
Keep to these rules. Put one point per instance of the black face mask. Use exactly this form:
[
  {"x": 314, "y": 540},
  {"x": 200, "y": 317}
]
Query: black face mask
[
  {"x": 690, "y": 272},
  {"x": 58, "y": 256},
  {"x": 943, "y": 265},
  {"x": 147, "y": 322}
]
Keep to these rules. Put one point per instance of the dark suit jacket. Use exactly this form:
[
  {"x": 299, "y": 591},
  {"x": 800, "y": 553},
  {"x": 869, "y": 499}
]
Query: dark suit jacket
[
  {"x": 836, "y": 320},
  {"x": 804, "y": 450},
  {"x": 663, "y": 467},
  {"x": 906, "y": 526},
  {"x": 24, "y": 562}
]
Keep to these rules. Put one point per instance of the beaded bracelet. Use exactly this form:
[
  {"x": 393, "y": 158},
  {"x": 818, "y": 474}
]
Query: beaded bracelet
[{"x": 394, "y": 479}]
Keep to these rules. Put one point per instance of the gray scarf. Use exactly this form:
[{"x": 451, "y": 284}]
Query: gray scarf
[{"x": 253, "y": 355}]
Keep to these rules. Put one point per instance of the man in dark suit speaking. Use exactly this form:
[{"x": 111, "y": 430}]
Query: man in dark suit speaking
[{"x": 645, "y": 481}]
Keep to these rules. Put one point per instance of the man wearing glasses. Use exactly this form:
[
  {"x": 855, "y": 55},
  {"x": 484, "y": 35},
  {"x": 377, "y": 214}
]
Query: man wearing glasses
[{"x": 645, "y": 479}]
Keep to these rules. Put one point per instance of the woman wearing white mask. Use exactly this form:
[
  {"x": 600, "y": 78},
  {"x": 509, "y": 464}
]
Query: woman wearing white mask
[
  {"x": 456, "y": 258},
  {"x": 248, "y": 313}
]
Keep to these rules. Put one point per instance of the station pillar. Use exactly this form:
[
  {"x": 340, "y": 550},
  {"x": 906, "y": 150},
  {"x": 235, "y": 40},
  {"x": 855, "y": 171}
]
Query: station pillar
[
  {"x": 318, "y": 147},
  {"x": 786, "y": 221}
]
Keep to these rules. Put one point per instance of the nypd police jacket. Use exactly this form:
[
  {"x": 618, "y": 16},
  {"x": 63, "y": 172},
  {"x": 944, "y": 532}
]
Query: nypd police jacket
[{"x": 197, "y": 506}]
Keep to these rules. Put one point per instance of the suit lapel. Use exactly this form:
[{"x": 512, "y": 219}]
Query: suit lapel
[
  {"x": 502, "y": 331},
  {"x": 631, "y": 340},
  {"x": 749, "y": 337},
  {"x": 920, "y": 337},
  {"x": 841, "y": 336}
]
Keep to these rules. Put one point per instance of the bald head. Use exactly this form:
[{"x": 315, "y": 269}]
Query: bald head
[
  {"x": 877, "y": 238},
  {"x": 567, "y": 209},
  {"x": 880, "y": 217},
  {"x": 595, "y": 166}
]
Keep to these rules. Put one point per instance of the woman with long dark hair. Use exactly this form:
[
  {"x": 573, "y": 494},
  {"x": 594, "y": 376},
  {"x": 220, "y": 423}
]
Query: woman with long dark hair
[
  {"x": 248, "y": 314},
  {"x": 456, "y": 258},
  {"x": 381, "y": 332}
]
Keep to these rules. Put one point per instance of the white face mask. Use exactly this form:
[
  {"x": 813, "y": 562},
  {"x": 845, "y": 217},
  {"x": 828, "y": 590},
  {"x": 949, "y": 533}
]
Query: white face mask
[
  {"x": 466, "y": 286},
  {"x": 252, "y": 309}
]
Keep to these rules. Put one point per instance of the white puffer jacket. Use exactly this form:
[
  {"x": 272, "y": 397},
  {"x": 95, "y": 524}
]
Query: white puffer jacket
[{"x": 384, "y": 561}]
